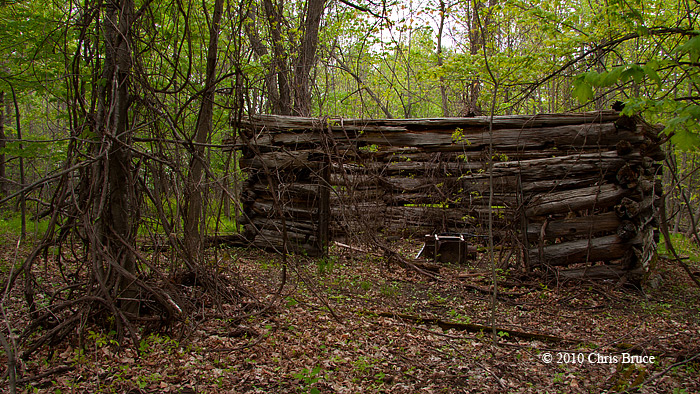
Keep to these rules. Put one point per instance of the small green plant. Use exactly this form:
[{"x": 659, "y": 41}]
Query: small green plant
[
  {"x": 102, "y": 340},
  {"x": 362, "y": 364},
  {"x": 308, "y": 378},
  {"x": 364, "y": 285},
  {"x": 148, "y": 344},
  {"x": 458, "y": 136},
  {"x": 325, "y": 264},
  {"x": 390, "y": 290},
  {"x": 370, "y": 148},
  {"x": 558, "y": 377},
  {"x": 459, "y": 317}
]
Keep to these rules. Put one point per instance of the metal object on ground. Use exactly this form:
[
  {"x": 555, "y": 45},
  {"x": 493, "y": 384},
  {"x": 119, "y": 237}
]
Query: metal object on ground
[{"x": 448, "y": 248}]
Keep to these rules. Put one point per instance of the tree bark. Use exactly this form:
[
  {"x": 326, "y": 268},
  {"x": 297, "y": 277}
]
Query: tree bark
[
  {"x": 443, "y": 89},
  {"x": 283, "y": 103},
  {"x": 193, "y": 189},
  {"x": 3, "y": 183},
  {"x": 117, "y": 217},
  {"x": 307, "y": 57},
  {"x": 261, "y": 52}
]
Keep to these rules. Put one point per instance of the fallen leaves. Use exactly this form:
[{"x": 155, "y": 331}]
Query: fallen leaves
[{"x": 298, "y": 347}]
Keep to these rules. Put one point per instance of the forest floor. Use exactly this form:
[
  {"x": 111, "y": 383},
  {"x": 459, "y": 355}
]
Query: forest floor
[{"x": 352, "y": 324}]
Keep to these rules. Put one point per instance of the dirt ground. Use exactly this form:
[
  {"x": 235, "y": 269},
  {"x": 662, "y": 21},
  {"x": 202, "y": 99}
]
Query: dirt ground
[{"x": 352, "y": 323}]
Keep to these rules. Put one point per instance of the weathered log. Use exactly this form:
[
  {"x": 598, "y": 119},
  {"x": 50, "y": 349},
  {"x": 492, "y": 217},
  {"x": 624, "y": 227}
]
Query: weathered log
[
  {"x": 276, "y": 224},
  {"x": 296, "y": 188},
  {"x": 566, "y": 166},
  {"x": 391, "y": 154},
  {"x": 631, "y": 209},
  {"x": 276, "y": 160},
  {"x": 277, "y": 244},
  {"x": 550, "y": 185},
  {"x": 574, "y": 200},
  {"x": 289, "y": 124},
  {"x": 447, "y": 325},
  {"x": 605, "y": 248},
  {"x": 626, "y": 230},
  {"x": 588, "y": 226},
  {"x": 569, "y": 135},
  {"x": 266, "y": 209},
  {"x": 228, "y": 240},
  {"x": 602, "y": 272},
  {"x": 628, "y": 176},
  {"x": 604, "y": 135},
  {"x": 534, "y": 169},
  {"x": 276, "y": 238}
]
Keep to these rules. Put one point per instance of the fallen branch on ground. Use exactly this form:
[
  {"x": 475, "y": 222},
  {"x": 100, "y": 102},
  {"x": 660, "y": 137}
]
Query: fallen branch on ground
[{"x": 446, "y": 325}]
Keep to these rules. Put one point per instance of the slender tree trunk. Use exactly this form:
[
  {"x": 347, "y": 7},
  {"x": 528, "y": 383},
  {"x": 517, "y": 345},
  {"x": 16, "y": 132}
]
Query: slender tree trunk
[
  {"x": 679, "y": 199},
  {"x": 3, "y": 183},
  {"x": 283, "y": 105},
  {"x": 476, "y": 41},
  {"x": 443, "y": 89},
  {"x": 261, "y": 52},
  {"x": 307, "y": 57},
  {"x": 193, "y": 227}
]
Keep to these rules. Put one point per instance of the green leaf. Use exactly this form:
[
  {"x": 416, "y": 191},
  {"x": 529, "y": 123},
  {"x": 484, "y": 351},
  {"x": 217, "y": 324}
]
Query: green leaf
[
  {"x": 685, "y": 139},
  {"x": 633, "y": 71},
  {"x": 583, "y": 90},
  {"x": 691, "y": 47},
  {"x": 316, "y": 370},
  {"x": 610, "y": 78}
]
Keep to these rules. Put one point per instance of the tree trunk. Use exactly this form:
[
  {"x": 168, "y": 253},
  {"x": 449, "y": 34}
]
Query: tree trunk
[
  {"x": 117, "y": 218},
  {"x": 3, "y": 183},
  {"x": 261, "y": 52},
  {"x": 476, "y": 42},
  {"x": 195, "y": 179},
  {"x": 307, "y": 57},
  {"x": 443, "y": 89},
  {"x": 283, "y": 104}
]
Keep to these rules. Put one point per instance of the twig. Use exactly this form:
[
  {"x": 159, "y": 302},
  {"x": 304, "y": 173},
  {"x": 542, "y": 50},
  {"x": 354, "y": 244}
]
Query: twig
[
  {"x": 445, "y": 325},
  {"x": 61, "y": 369}
]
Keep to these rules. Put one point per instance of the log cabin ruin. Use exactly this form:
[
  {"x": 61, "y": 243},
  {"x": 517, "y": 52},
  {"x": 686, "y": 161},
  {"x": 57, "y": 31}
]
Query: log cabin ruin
[{"x": 566, "y": 190}]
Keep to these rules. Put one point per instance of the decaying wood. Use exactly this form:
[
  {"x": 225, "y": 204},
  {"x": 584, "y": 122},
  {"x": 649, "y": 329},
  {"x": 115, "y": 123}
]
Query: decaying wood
[
  {"x": 575, "y": 200},
  {"x": 579, "y": 186},
  {"x": 291, "y": 123},
  {"x": 606, "y": 248},
  {"x": 576, "y": 226},
  {"x": 600, "y": 272},
  {"x": 471, "y": 327}
]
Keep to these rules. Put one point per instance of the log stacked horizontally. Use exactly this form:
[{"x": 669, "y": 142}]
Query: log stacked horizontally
[{"x": 570, "y": 188}]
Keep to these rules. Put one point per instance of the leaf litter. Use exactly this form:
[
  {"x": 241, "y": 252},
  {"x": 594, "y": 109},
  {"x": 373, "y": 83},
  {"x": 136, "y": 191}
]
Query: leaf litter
[{"x": 336, "y": 327}]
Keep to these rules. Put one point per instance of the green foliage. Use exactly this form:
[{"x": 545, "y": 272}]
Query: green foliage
[
  {"x": 308, "y": 378},
  {"x": 325, "y": 265},
  {"x": 102, "y": 339},
  {"x": 12, "y": 225},
  {"x": 684, "y": 246}
]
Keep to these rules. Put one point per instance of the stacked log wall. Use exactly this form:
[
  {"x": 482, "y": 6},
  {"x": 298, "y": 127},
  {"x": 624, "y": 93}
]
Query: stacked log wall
[{"x": 575, "y": 188}]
